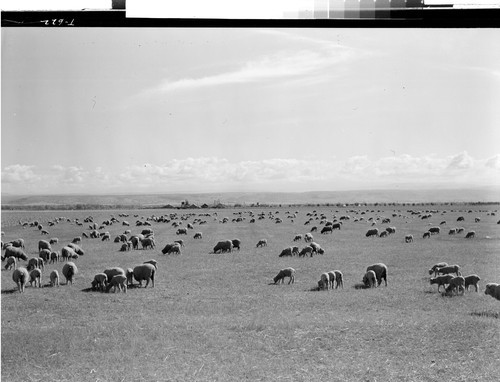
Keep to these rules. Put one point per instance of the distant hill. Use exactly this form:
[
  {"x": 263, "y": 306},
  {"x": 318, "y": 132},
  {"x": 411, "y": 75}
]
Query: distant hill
[{"x": 249, "y": 198}]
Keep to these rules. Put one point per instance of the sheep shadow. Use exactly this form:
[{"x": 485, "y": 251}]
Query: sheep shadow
[
  {"x": 360, "y": 286},
  {"x": 10, "y": 291}
]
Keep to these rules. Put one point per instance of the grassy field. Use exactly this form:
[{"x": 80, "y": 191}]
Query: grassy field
[{"x": 218, "y": 317}]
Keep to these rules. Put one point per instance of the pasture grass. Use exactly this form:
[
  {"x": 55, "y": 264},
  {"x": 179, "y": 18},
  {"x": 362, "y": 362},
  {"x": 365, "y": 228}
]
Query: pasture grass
[{"x": 220, "y": 317}]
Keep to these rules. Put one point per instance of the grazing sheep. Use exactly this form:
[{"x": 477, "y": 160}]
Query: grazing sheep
[
  {"x": 324, "y": 281},
  {"x": 380, "y": 270},
  {"x": 69, "y": 271},
  {"x": 372, "y": 232},
  {"x": 148, "y": 242},
  {"x": 44, "y": 244},
  {"x": 472, "y": 280},
  {"x": 54, "y": 257},
  {"x": 198, "y": 235},
  {"x": 308, "y": 237},
  {"x": 76, "y": 248},
  {"x": 370, "y": 279},
  {"x": 286, "y": 272},
  {"x": 167, "y": 248},
  {"x": 106, "y": 237},
  {"x": 236, "y": 243},
  {"x": 19, "y": 243},
  {"x": 36, "y": 277},
  {"x": 331, "y": 275},
  {"x": 130, "y": 276},
  {"x": 383, "y": 234},
  {"x": 436, "y": 267},
  {"x": 20, "y": 276},
  {"x": 493, "y": 290},
  {"x": 32, "y": 263},
  {"x": 262, "y": 243},
  {"x": 452, "y": 231},
  {"x": 316, "y": 248},
  {"x": 76, "y": 240},
  {"x": 297, "y": 238},
  {"x": 152, "y": 262},
  {"x": 306, "y": 251},
  {"x": 435, "y": 230},
  {"x": 391, "y": 230},
  {"x": 100, "y": 282},
  {"x": 426, "y": 235},
  {"x": 110, "y": 272},
  {"x": 326, "y": 229},
  {"x": 408, "y": 238},
  {"x": 175, "y": 248},
  {"x": 125, "y": 247},
  {"x": 180, "y": 242},
  {"x": 18, "y": 253},
  {"x": 119, "y": 281},
  {"x": 67, "y": 253},
  {"x": 11, "y": 263},
  {"x": 54, "y": 278},
  {"x": 223, "y": 246},
  {"x": 441, "y": 280},
  {"x": 181, "y": 231},
  {"x": 286, "y": 252},
  {"x": 456, "y": 283},
  {"x": 145, "y": 272},
  {"x": 470, "y": 235},
  {"x": 449, "y": 269},
  {"x": 339, "y": 279}
]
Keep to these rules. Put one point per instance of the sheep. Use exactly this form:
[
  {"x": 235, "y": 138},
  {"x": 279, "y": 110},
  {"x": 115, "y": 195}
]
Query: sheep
[
  {"x": 236, "y": 243},
  {"x": 286, "y": 272},
  {"x": 493, "y": 290},
  {"x": 36, "y": 277},
  {"x": 130, "y": 276},
  {"x": 152, "y": 262},
  {"x": 286, "y": 252},
  {"x": 124, "y": 247},
  {"x": 408, "y": 238},
  {"x": 449, "y": 269},
  {"x": 11, "y": 263},
  {"x": 384, "y": 234},
  {"x": 370, "y": 279},
  {"x": 76, "y": 240},
  {"x": 76, "y": 248},
  {"x": 324, "y": 281},
  {"x": 198, "y": 235},
  {"x": 391, "y": 230},
  {"x": 148, "y": 242},
  {"x": 20, "y": 276},
  {"x": 145, "y": 272},
  {"x": 119, "y": 281},
  {"x": 110, "y": 272},
  {"x": 308, "y": 237},
  {"x": 67, "y": 253},
  {"x": 43, "y": 244},
  {"x": 19, "y": 243},
  {"x": 262, "y": 243},
  {"x": 339, "y": 279},
  {"x": 435, "y": 268},
  {"x": 316, "y": 248},
  {"x": 54, "y": 257},
  {"x": 100, "y": 282},
  {"x": 223, "y": 246},
  {"x": 180, "y": 242},
  {"x": 69, "y": 270},
  {"x": 441, "y": 280},
  {"x": 435, "y": 230},
  {"x": 380, "y": 270},
  {"x": 306, "y": 251},
  {"x": 54, "y": 278},
  {"x": 456, "y": 283},
  {"x": 426, "y": 235},
  {"x": 181, "y": 231},
  {"x": 331, "y": 274},
  {"x": 297, "y": 238},
  {"x": 472, "y": 280},
  {"x": 470, "y": 235},
  {"x": 33, "y": 263},
  {"x": 18, "y": 253},
  {"x": 45, "y": 254},
  {"x": 372, "y": 232}
]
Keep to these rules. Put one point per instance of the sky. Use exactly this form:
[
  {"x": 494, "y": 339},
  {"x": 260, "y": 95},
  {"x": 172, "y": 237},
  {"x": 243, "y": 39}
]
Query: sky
[{"x": 108, "y": 110}]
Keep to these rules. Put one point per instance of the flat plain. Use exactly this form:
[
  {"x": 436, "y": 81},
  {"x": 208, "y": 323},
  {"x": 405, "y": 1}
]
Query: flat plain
[{"x": 220, "y": 317}]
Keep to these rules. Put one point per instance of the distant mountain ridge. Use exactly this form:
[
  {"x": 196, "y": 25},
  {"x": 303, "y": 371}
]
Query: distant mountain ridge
[{"x": 248, "y": 198}]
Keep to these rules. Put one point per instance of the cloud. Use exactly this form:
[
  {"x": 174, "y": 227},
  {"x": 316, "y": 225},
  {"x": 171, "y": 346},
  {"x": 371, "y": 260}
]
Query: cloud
[{"x": 204, "y": 174}]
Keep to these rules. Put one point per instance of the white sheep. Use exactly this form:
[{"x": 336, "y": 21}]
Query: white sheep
[
  {"x": 119, "y": 281},
  {"x": 493, "y": 290},
  {"x": 370, "y": 279},
  {"x": 450, "y": 269},
  {"x": 100, "y": 281},
  {"x": 145, "y": 272},
  {"x": 308, "y": 237},
  {"x": 286, "y": 272},
  {"x": 332, "y": 276},
  {"x": 456, "y": 283},
  {"x": 69, "y": 270},
  {"x": 435, "y": 268},
  {"x": 324, "y": 281},
  {"x": 339, "y": 279},
  {"x": 472, "y": 280},
  {"x": 36, "y": 277},
  {"x": 441, "y": 280},
  {"x": 380, "y": 270},
  {"x": 262, "y": 243},
  {"x": 152, "y": 262},
  {"x": 306, "y": 251},
  {"x": 20, "y": 276},
  {"x": 130, "y": 276},
  {"x": 110, "y": 272},
  {"x": 11, "y": 263},
  {"x": 54, "y": 278}
]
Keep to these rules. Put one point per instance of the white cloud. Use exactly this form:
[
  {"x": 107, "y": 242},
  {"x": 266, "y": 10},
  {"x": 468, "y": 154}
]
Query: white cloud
[{"x": 278, "y": 174}]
